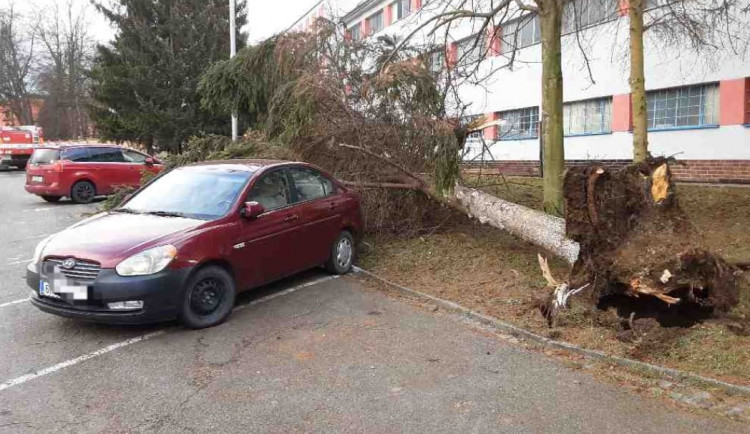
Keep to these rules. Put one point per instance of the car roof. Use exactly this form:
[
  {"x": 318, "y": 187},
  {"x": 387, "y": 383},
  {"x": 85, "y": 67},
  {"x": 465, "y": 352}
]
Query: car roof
[
  {"x": 245, "y": 164},
  {"x": 79, "y": 145}
]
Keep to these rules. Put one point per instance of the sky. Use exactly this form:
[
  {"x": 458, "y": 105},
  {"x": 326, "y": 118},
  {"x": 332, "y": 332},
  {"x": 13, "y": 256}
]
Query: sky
[{"x": 265, "y": 18}]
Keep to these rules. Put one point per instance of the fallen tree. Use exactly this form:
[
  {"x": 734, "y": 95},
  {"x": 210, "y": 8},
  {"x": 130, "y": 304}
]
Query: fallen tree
[{"x": 389, "y": 132}]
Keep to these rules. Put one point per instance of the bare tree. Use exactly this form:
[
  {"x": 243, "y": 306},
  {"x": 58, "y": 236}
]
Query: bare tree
[
  {"x": 16, "y": 64},
  {"x": 638, "y": 81},
  {"x": 701, "y": 25},
  {"x": 489, "y": 15},
  {"x": 68, "y": 49}
]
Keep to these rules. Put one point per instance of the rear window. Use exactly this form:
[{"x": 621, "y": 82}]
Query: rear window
[{"x": 45, "y": 156}]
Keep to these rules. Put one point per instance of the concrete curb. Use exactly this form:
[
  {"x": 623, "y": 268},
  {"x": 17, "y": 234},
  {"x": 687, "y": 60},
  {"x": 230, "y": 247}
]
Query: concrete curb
[{"x": 518, "y": 332}]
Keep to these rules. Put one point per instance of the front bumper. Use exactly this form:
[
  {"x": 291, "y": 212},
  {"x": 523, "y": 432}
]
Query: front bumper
[{"x": 161, "y": 294}]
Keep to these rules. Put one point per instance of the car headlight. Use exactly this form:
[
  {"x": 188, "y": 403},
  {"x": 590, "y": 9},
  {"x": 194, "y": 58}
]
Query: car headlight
[
  {"x": 39, "y": 250},
  {"x": 147, "y": 262}
]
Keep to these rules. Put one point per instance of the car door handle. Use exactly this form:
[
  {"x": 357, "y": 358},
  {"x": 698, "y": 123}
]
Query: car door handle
[
  {"x": 332, "y": 205},
  {"x": 291, "y": 218}
]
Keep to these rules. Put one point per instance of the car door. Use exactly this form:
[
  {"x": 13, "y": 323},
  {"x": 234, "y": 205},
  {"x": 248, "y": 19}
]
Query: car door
[
  {"x": 320, "y": 213},
  {"x": 264, "y": 248},
  {"x": 110, "y": 164},
  {"x": 136, "y": 164}
]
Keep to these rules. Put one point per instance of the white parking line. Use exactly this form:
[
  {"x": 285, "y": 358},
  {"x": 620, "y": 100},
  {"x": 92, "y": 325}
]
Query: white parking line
[
  {"x": 11, "y": 303},
  {"x": 285, "y": 292},
  {"x": 22, "y": 261},
  {"x": 46, "y": 371},
  {"x": 77, "y": 360}
]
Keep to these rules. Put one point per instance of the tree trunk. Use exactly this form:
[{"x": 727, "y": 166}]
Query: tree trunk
[
  {"x": 638, "y": 82},
  {"x": 534, "y": 226},
  {"x": 550, "y": 18}
]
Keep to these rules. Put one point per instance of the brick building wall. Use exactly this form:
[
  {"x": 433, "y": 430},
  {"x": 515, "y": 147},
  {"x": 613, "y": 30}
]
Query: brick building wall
[{"x": 712, "y": 171}]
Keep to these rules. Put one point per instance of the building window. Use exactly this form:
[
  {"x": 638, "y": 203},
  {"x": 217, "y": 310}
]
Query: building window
[
  {"x": 520, "y": 33},
  {"x": 354, "y": 33},
  {"x": 588, "y": 117},
  {"x": 471, "y": 49},
  {"x": 579, "y": 14},
  {"x": 437, "y": 61},
  {"x": 688, "y": 106},
  {"x": 402, "y": 8},
  {"x": 519, "y": 124},
  {"x": 375, "y": 22},
  {"x": 476, "y": 135}
]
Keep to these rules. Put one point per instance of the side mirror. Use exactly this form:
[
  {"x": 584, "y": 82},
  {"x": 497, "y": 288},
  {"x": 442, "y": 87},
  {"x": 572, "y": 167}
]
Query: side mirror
[
  {"x": 150, "y": 161},
  {"x": 252, "y": 210}
]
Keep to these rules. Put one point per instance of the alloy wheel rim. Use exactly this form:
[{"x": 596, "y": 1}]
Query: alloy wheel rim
[
  {"x": 83, "y": 191},
  {"x": 207, "y": 296},
  {"x": 344, "y": 253}
]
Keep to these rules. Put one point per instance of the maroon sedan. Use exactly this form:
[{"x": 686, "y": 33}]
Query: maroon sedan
[{"x": 185, "y": 244}]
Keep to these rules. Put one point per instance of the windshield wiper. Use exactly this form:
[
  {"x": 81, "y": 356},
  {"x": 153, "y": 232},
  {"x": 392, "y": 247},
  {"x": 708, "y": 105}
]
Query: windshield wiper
[
  {"x": 125, "y": 211},
  {"x": 165, "y": 213}
]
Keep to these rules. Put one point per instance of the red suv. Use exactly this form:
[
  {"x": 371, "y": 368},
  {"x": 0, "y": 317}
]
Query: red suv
[
  {"x": 82, "y": 172},
  {"x": 186, "y": 243}
]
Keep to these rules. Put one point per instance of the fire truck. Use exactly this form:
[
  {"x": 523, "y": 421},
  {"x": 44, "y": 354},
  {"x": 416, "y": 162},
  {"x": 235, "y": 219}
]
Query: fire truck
[{"x": 17, "y": 144}]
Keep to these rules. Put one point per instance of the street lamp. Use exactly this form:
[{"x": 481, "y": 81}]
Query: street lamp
[{"x": 232, "y": 53}]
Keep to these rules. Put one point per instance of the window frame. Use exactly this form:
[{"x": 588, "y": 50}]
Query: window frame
[
  {"x": 112, "y": 151},
  {"x": 478, "y": 52},
  {"x": 295, "y": 198},
  {"x": 533, "y": 118},
  {"x": 370, "y": 22},
  {"x": 654, "y": 106},
  {"x": 476, "y": 135},
  {"x": 591, "y": 5},
  {"x": 436, "y": 55},
  {"x": 64, "y": 154},
  {"x": 262, "y": 175},
  {"x": 400, "y": 6},
  {"x": 357, "y": 28},
  {"x": 605, "y": 114},
  {"x": 124, "y": 150},
  {"x": 515, "y": 38}
]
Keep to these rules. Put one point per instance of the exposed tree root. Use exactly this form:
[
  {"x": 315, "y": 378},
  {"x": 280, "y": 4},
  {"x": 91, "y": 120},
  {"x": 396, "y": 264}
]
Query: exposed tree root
[{"x": 639, "y": 251}]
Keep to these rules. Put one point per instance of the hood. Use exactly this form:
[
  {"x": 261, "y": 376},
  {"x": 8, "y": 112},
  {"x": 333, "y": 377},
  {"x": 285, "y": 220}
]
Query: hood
[{"x": 109, "y": 238}]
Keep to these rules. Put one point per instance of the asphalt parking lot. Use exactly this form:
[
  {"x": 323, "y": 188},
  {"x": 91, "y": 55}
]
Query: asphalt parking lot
[{"x": 309, "y": 354}]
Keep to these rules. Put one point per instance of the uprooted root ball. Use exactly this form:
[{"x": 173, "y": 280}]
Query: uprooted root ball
[{"x": 639, "y": 251}]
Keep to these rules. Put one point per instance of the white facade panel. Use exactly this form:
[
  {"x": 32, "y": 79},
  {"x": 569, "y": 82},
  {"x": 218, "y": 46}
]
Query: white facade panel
[{"x": 607, "y": 49}]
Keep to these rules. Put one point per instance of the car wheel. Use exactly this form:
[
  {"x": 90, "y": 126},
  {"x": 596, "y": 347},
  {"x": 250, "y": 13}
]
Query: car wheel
[
  {"x": 51, "y": 199},
  {"x": 209, "y": 298},
  {"x": 342, "y": 254},
  {"x": 83, "y": 192}
]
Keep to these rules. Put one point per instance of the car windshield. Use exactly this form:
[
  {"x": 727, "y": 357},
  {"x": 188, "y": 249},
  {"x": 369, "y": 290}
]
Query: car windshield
[
  {"x": 45, "y": 156},
  {"x": 204, "y": 193}
]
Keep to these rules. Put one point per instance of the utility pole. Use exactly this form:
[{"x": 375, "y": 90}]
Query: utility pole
[{"x": 233, "y": 52}]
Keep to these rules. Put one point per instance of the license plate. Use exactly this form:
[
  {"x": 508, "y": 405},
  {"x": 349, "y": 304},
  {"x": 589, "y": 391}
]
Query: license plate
[
  {"x": 45, "y": 290},
  {"x": 37, "y": 179}
]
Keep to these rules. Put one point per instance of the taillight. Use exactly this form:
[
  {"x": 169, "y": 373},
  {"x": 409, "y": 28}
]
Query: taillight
[{"x": 57, "y": 167}]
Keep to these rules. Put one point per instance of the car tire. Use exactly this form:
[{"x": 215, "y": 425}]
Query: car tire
[
  {"x": 208, "y": 298},
  {"x": 83, "y": 192},
  {"x": 341, "y": 258},
  {"x": 51, "y": 199}
]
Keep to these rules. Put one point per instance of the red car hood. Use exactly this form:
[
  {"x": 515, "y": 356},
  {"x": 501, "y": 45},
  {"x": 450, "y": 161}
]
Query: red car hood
[{"x": 109, "y": 238}]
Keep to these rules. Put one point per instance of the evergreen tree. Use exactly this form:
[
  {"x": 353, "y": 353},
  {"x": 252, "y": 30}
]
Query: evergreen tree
[{"x": 144, "y": 83}]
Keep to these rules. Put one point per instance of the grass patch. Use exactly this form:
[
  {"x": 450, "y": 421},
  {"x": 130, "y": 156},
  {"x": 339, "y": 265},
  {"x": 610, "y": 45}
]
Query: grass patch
[{"x": 497, "y": 274}]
